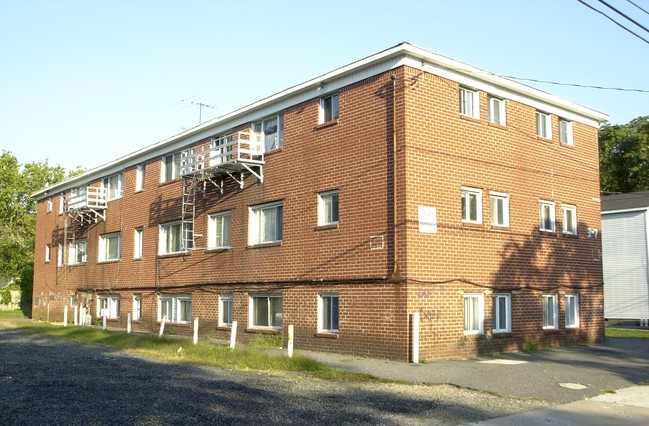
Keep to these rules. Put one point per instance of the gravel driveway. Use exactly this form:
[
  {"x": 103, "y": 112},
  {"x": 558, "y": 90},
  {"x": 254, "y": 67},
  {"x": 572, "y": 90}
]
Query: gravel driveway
[{"x": 49, "y": 381}]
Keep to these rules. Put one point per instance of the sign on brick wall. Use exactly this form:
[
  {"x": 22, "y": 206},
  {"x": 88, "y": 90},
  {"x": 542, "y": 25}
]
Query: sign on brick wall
[{"x": 427, "y": 219}]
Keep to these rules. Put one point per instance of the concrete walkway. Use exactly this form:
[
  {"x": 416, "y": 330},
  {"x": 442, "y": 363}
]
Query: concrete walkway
[{"x": 599, "y": 384}]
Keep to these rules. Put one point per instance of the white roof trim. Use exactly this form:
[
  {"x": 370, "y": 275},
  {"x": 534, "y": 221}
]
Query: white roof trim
[
  {"x": 401, "y": 54},
  {"x": 635, "y": 209}
]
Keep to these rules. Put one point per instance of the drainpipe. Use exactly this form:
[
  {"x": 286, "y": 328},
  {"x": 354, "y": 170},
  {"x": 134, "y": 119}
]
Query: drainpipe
[{"x": 396, "y": 272}]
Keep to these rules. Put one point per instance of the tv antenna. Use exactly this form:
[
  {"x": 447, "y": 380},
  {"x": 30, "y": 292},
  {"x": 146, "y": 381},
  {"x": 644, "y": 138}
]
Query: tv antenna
[{"x": 194, "y": 100}]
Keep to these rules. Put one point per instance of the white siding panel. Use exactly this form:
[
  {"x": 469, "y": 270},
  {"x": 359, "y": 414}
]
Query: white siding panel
[{"x": 624, "y": 258}]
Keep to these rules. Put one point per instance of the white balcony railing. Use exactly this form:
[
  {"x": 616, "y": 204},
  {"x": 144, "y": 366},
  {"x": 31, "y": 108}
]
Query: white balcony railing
[
  {"x": 86, "y": 198},
  {"x": 245, "y": 148}
]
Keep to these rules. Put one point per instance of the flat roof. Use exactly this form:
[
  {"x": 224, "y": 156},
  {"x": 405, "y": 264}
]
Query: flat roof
[{"x": 628, "y": 201}]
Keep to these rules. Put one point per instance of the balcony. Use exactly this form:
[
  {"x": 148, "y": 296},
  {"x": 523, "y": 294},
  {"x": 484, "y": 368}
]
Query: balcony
[
  {"x": 227, "y": 154},
  {"x": 88, "y": 203}
]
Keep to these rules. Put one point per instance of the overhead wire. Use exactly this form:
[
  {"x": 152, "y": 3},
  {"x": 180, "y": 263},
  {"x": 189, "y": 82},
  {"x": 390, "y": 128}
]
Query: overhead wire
[
  {"x": 624, "y": 15},
  {"x": 638, "y": 7},
  {"x": 613, "y": 20}
]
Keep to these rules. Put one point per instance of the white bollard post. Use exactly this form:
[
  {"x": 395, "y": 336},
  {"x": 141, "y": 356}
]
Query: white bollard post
[
  {"x": 76, "y": 315},
  {"x": 415, "y": 338},
  {"x": 129, "y": 318},
  {"x": 103, "y": 322},
  {"x": 290, "y": 340},
  {"x": 48, "y": 312},
  {"x": 65, "y": 316},
  {"x": 233, "y": 335},
  {"x": 195, "y": 330},
  {"x": 162, "y": 325},
  {"x": 82, "y": 320}
]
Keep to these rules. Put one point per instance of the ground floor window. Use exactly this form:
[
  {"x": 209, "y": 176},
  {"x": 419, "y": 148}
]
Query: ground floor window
[
  {"x": 501, "y": 313},
  {"x": 328, "y": 312},
  {"x": 266, "y": 311},
  {"x": 108, "y": 306},
  {"x": 473, "y": 313},
  {"x": 550, "y": 311},
  {"x": 177, "y": 308},
  {"x": 572, "y": 310},
  {"x": 225, "y": 310}
]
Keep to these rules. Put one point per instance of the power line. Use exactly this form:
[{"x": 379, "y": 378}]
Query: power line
[
  {"x": 622, "y": 14},
  {"x": 638, "y": 7},
  {"x": 620, "y": 89},
  {"x": 613, "y": 20}
]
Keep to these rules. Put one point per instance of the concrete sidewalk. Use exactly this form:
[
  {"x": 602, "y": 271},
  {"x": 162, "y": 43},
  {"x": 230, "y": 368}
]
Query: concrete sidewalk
[{"x": 594, "y": 384}]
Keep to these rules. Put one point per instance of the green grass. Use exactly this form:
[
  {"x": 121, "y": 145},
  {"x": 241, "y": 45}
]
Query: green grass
[
  {"x": 626, "y": 333},
  {"x": 12, "y": 314},
  {"x": 207, "y": 354}
]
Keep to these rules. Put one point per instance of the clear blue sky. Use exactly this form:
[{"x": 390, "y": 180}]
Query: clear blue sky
[{"x": 85, "y": 82}]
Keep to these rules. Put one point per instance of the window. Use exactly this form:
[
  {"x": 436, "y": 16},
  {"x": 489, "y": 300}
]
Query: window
[
  {"x": 170, "y": 167},
  {"x": 219, "y": 230},
  {"x": 176, "y": 237},
  {"x": 225, "y": 310},
  {"x": 61, "y": 203},
  {"x": 328, "y": 108},
  {"x": 138, "y": 243},
  {"x": 328, "y": 208},
  {"x": 49, "y": 204},
  {"x": 499, "y": 209},
  {"x": 265, "y": 223},
  {"x": 59, "y": 255},
  {"x": 473, "y": 313},
  {"x": 48, "y": 252},
  {"x": 546, "y": 216},
  {"x": 469, "y": 104},
  {"x": 328, "y": 313},
  {"x": 108, "y": 306},
  {"x": 139, "y": 177},
  {"x": 177, "y": 308},
  {"x": 471, "y": 205},
  {"x": 109, "y": 247},
  {"x": 565, "y": 132},
  {"x": 501, "y": 315},
  {"x": 137, "y": 307},
  {"x": 266, "y": 311},
  {"x": 550, "y": 311},
  {"x": 78, "y": 252},
  {"x": 543, "y": 125},
  {"x": 273, "y": 130},
  {"x": 113, "y": 186},
  {"x": 497, "y": 111},
  {"x": 572, "y": 310},
  {"x": 569, "y": 219}
]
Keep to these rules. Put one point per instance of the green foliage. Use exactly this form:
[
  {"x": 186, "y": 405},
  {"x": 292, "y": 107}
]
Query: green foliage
[
  {"x": 529, "y": 347},
  {"x": 267, "y": 341},
  {"x": 624, "y": 156},
  {"x": 18, "y": 216},
  {"x": 627, "y": 333}
]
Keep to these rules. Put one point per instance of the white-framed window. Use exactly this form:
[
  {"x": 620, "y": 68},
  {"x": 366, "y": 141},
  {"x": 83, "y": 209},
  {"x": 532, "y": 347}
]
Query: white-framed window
[
  {"x": 59, "y": 255},
  {"x": 473, "y": 313},
  {"x": 225, "y": 310},
  {"x": 565, "y": 132},
  {"x": 550, "y": 311},
  {"x": 497, "y": 112},
  {"x": 499, "y": 208},
  {"x": 546, "y": 216},
  {"x": 140, "y": 170},
  {"x": 137, "y": 307},
  {"x": 174, "y": 236},
  {"x": 61, "y": 203},
  {"x": 501, "y": 315},
  {"x": 572, "y": 310},
  {"x": 569, "y": 219},
  {"x": 266, "y": 310},
  {"x": 328, "y": 108},
  {"x": 110, "y": 247},
  {"x": 543, "y": 125},
  {"x": 471, "y": 205},
  {"x": 170, "y": 169},
  {"x": 273, "y": 130},
  {"x": 109, "y": 306},
  {"x": 138, "y": 243},
  {"x": 328, "y": 312},
  {"x": 78, "y": 252},
  {"x": 48, "y": 252},
  {"x": 177, "y": 308},
  {"x": 328, "y": 208},
  {"x": 265, "y": 224},
  {"x": 49, "y": 204},
  {"x": 113, "y": 186},
  {"x": 469, "y": 102},
  {"x": 218, "y": 230}
]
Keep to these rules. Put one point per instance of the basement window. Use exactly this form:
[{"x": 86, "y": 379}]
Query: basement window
[{"x": 266, "y": 311}]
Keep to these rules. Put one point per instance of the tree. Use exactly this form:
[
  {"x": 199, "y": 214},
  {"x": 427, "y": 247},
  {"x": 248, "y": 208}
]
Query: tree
[
  {"x": 624, "y": 156},
  {"x": 18, "y": 215}
]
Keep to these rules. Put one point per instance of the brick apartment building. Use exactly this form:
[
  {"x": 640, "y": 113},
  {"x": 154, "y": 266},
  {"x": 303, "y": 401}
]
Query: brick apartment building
[{"x": 404, "y": 185}]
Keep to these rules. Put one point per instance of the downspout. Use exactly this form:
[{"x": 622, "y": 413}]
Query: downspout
[{"x": 396, "y": 272}]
